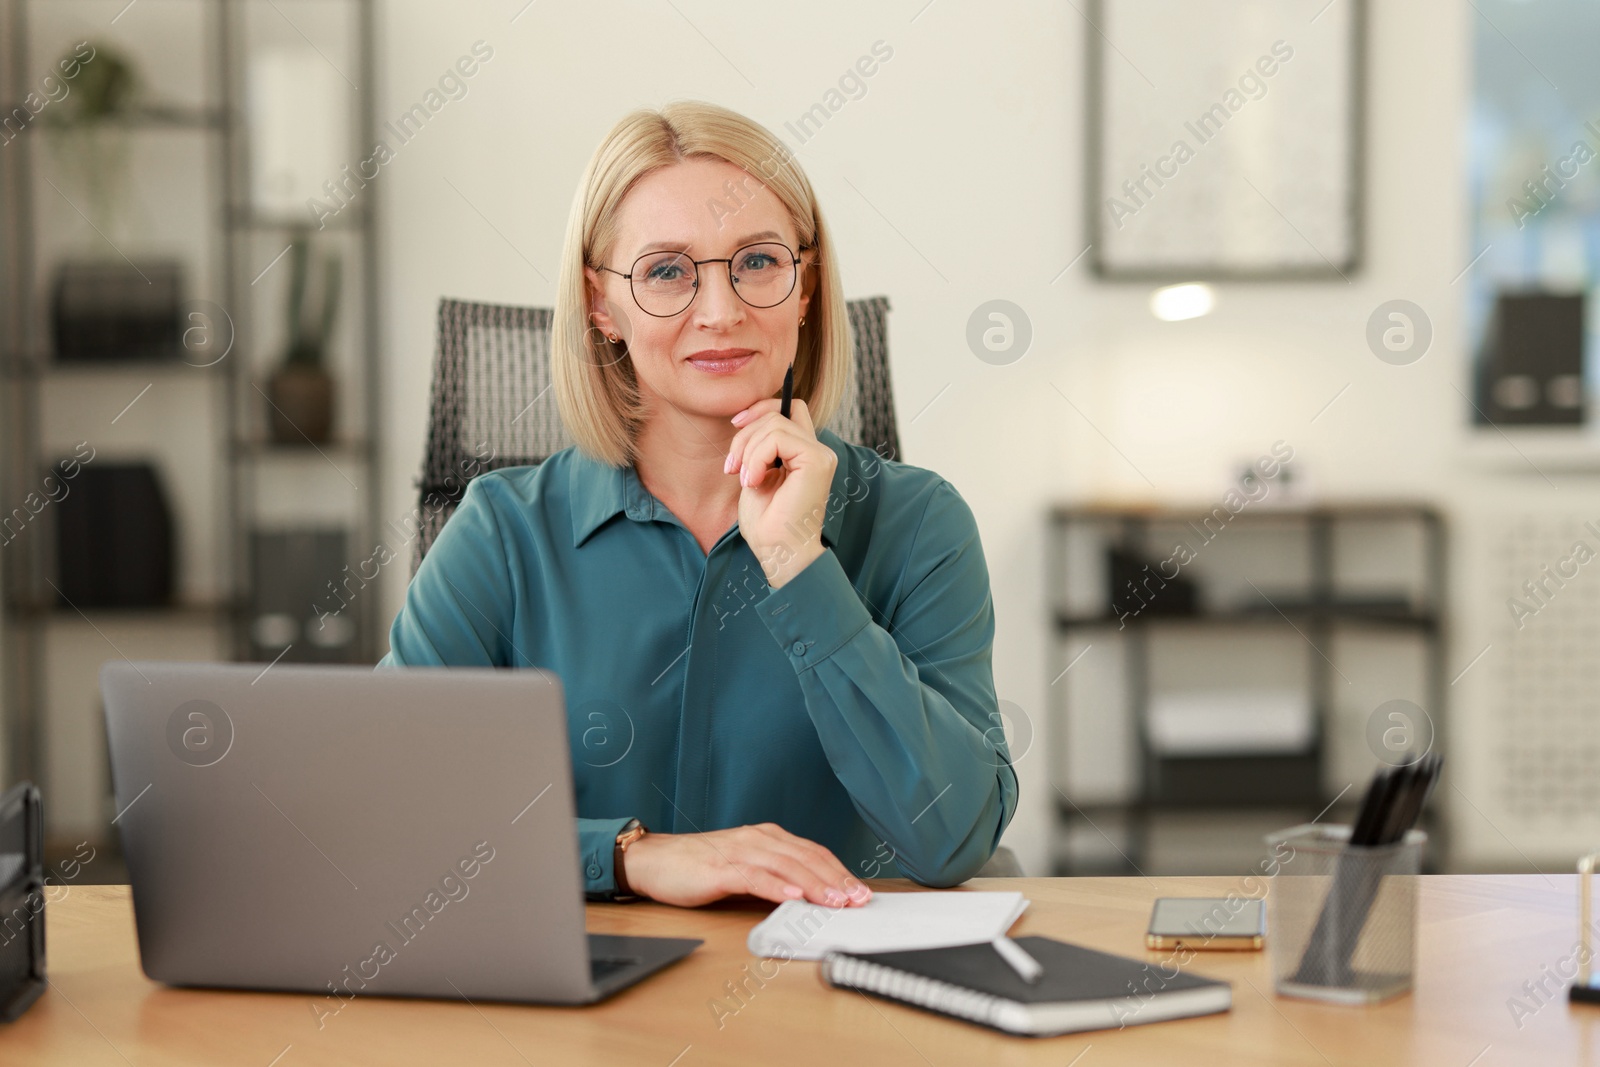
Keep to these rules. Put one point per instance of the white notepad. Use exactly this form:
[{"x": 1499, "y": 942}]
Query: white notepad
[{"x": 886, "y": 923}]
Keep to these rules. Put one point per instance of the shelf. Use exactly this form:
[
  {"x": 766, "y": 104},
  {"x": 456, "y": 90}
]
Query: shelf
[
  {"x": 192, "y": 611},
  {"x": 43, "y": 365},
  {"x": 243, "y": 217},
  {"x": 1532, "y": 450},
  {"x": 1125, "y": 838},
  {"x": 352, "y": 448},
  {"x": 148, "y": 117},
  {"x": 1350, "y": 510},
  {"x": 1333, "y": 811},
  {"x": 1069, "y": 809},
  {"x": 225, "y": 237},
  {"x": 1255, "y": 617},
  {"x": 1314, "y": 603}
]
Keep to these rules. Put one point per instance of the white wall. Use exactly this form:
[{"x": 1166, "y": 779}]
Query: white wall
[{"x": 956, "y": 179}]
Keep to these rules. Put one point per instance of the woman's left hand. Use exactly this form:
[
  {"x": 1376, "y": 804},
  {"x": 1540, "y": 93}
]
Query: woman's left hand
[{"x": 781, "y": 509}]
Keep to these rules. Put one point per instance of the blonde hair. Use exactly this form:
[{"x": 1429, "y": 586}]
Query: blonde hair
[{"x": 596, "y": 390}]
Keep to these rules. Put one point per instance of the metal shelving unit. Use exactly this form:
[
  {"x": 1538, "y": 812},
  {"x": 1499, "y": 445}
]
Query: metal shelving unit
[
  {"x": 1290, "y": 781},
  {"x": 228, "y": 389}
]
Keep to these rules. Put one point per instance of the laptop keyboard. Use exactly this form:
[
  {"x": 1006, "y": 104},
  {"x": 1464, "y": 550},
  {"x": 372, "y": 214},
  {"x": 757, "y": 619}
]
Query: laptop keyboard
[{"x": 602, "y": 968}]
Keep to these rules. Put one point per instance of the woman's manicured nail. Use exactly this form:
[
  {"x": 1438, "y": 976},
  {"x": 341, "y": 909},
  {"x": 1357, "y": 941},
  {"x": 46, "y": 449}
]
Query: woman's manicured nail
[
  {"x": 793, "y": 892},
  {"x": 727, "y": 464},
  {"x": 860, "y": 893},
  {"x": 833, "y": 898},
  {"x": 737, "y": 419}
]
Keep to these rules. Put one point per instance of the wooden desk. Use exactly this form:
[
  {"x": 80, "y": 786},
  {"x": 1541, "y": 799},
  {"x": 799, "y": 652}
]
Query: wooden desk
[{"x": 1481, "y": 938}]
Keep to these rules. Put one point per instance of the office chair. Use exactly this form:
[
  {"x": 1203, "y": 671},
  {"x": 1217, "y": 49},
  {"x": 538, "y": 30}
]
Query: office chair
[{"x": 492, "y": 407}]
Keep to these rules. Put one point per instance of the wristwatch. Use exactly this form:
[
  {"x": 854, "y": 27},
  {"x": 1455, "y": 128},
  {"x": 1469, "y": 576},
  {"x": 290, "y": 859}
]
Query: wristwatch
[{"x": 630, "y": 833}]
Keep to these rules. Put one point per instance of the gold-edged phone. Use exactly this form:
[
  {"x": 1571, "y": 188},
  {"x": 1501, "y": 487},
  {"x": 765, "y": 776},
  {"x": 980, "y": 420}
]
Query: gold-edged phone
[{"x": 1207, "y": 924}]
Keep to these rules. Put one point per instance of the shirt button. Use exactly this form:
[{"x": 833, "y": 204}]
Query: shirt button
[
  {"x": 594, "y": 870},
  {"x": 798, "y": 648}
]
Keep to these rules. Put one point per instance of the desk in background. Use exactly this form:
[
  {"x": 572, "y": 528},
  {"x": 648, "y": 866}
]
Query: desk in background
[{"x": 1480, "y": 938}]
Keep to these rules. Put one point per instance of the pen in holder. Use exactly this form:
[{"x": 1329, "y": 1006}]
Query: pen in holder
[
  {"x": 1586, "y": 989},
  {"x": 1342, "y": 918}
]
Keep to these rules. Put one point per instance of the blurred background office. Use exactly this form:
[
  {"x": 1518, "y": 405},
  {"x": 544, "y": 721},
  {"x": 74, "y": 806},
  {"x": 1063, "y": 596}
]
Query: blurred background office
[{"x": 1255, "y": 332}]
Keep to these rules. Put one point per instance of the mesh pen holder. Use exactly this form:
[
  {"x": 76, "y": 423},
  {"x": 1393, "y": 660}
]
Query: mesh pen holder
[{"x": 1342, "y": 918}]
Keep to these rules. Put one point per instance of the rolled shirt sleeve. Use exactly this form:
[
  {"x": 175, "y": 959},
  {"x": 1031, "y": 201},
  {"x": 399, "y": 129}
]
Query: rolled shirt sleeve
[
  {"x": 597, "y": 847},
  {"x": 906, "y": 712}
]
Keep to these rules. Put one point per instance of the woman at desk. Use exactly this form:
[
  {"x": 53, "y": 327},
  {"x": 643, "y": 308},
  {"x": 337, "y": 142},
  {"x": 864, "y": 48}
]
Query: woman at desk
[{"x": 777, "y": 676}]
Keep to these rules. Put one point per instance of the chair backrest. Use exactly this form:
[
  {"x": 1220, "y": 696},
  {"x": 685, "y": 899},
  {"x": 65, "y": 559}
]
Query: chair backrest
[{"x": 493, "y": 407}]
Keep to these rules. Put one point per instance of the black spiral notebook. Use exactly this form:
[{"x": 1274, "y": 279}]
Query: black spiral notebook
[{"x": 1081, "y": 989}]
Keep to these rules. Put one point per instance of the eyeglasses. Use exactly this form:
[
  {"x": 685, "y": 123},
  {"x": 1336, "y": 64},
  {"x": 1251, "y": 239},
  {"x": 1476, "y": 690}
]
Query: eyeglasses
[{"x": 664, "y": 283}]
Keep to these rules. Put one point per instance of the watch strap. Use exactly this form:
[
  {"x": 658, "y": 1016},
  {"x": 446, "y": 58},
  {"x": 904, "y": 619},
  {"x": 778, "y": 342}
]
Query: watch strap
[{"x": 630, "y": 832}]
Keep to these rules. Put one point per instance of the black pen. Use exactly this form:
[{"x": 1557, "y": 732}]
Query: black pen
[
  {"x": 1368, "y": 810},
  {"x": 1427, "y": 775},
  {"x": 788, "y": 394},
  {"x": 1393, "y": 827},
  {"x": 1374, "y": 813}
]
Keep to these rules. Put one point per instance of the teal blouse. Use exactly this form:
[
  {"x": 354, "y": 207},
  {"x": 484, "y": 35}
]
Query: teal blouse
[{"x": 854, "y": 706}]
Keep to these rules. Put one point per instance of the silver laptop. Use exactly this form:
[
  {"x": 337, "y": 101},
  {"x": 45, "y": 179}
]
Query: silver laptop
[{"x": 345, "y": 831}]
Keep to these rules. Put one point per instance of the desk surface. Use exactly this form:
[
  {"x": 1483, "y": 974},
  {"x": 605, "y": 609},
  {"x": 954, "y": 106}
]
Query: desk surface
[{"x": 1480, "y": 939}]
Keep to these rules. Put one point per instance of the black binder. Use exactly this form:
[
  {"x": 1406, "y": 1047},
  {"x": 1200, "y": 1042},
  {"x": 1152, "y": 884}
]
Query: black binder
[{"x": 21, "y": 900}]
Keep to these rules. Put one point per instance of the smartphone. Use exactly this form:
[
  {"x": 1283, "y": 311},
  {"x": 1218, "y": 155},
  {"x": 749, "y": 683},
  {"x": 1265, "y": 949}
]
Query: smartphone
[{"x": 1207, "y": 923}]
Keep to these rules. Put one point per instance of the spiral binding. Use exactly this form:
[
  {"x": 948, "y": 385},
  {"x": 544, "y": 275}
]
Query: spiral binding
[{"x": 914, "y": 989}]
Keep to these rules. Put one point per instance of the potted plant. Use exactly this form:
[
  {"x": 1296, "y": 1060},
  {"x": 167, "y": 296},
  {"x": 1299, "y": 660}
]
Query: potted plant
[
  {"x": 91, "y": 146},
  {"x": 301, "y": 391}
]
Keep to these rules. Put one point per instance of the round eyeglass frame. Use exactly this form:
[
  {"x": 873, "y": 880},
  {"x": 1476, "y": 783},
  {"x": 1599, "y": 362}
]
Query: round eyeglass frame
[{"x": 794, "y": 262}]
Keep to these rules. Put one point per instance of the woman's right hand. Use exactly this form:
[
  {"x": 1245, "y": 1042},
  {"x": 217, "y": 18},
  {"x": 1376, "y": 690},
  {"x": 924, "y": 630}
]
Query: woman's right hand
[{"x": 763, "y": 860}]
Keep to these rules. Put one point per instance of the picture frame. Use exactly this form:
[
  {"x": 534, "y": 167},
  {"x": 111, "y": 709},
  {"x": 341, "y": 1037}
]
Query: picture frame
[{"x": 1224, "y": 139}]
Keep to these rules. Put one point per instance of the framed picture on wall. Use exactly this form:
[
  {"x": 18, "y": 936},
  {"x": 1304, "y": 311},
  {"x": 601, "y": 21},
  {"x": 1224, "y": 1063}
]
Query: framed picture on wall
[{"x": 1225, "y": 138}]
